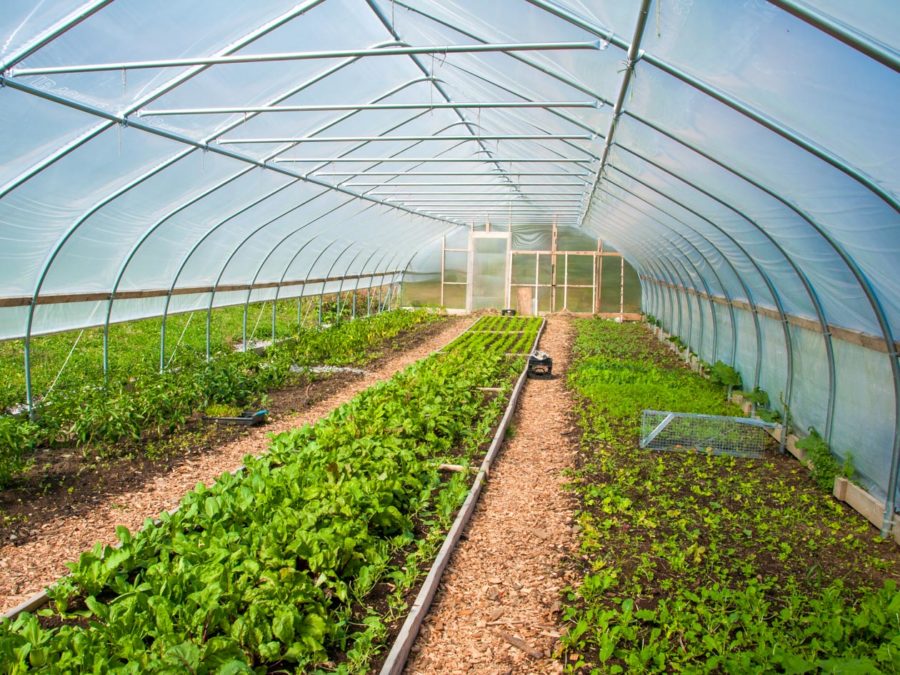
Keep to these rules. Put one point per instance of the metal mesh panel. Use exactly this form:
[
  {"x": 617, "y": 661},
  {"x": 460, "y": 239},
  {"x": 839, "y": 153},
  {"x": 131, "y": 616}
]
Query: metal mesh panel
[{"x": 713, "y": 434}]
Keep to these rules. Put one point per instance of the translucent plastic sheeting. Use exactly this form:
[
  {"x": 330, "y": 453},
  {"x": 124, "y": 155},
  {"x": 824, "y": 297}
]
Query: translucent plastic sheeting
[
  {"x": 856, "y": 219},
  {"x": 864, "y": 412},
  {"x": 743, "y": 151},
  {"x": 811, "y": 389}
]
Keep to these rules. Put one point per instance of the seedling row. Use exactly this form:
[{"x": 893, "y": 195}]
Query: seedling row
[{"x": 508, "y": 335}]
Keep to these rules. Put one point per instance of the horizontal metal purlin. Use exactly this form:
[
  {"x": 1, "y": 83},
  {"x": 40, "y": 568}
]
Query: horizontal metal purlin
[
  {"x": 63, "y": 298},
  {"x": 305, "y": 56},
  {"x": 856, "y": 337},
  {"x": 500, "y": 200},
  {"x": 549, "y": 285},
  {"x": 599, "y": 254},
  {"x": 319, "y": 107},
  {"x": 469, "y": 193},
  {"x": 404, "y": 139},
  {"x": 444, "y": 184},
  {"x": 363, "y": 174},
  {"x": 530, "y": 160}
]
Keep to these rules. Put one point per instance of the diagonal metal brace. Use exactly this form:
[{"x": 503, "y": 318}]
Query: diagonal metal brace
[{"x": 658, "y": 430}]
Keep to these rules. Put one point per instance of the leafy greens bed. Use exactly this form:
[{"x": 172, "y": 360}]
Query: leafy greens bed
[
  {"x": 697, "y": 563},
  {"x": 503, "y": 334},
  {"x": 279, "y": 566},
  {"x": 90, "y": 413}
]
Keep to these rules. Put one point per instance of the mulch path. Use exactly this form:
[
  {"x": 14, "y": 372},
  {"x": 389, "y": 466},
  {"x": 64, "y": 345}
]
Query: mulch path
[
  {"x": 497, "y": 607},
  {"x": 63, "y": 508}
]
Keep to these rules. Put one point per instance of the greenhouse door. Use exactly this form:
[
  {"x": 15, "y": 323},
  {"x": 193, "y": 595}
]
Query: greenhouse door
[{"x": 488, "y": 270}]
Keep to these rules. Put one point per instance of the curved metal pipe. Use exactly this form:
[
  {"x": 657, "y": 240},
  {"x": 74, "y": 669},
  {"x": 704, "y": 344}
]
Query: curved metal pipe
[
  {"x": 804, "y": 280},
  {"x": 675, "y": 278},
  {"x": 858, "y": 275},
  {"x": 689, "y": 277},
  {"x": 725, "y": 259},
  {"x": 662, "y": 268},
  {"x": 775, "y": 297}
]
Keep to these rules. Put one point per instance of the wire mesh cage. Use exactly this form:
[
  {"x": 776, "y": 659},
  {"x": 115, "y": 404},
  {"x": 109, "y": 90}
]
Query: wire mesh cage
[{"x": 713, "y": 434}]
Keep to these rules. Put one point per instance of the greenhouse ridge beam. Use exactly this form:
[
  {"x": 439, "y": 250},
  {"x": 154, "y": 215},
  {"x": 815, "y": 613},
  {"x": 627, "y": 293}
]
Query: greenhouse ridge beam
[
  {"x": 363, "y": 174},
  {"x": 500, "y": 200},
  {"x": 450, "y": 184},
  {"x": 546, "y": 70},
  {"x": 322, "y": 107},
  {"x": 470, "y": 127},
  {"x": 303, "y": 56},
  {"x": 634, "y": 53},
  {"x": 468, "y": 194}
]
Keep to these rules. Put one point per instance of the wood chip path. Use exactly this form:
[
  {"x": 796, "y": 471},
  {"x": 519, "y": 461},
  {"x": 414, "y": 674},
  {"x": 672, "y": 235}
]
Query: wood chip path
[
  {"x": 26, "y": 569},
  {"x": 498, "y": 604}
]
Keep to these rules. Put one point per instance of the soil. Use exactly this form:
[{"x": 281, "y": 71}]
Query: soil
[
  {"x": 73, "y": 498},
  {"x": 789, "y": 483},
  {"x": 496, "y": 610}
]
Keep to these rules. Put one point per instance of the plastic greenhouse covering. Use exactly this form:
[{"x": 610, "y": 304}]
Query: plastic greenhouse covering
[{"x": 743, "y": 156}]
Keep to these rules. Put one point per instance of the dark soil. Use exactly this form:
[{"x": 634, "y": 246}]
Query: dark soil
[
  {"x": 71, "y": 481},
  {"x": 820, "y": 549}
]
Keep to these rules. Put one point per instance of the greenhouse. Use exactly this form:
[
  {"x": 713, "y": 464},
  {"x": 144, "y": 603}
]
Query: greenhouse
[{"x": 533, "y": 336}]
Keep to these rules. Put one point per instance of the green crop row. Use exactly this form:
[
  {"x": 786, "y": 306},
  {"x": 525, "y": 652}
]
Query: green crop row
[
  {"x": 513, "y": 335},
  {"x": 134, "y": 345},
  {"x": 272, "y": 568},
  {"x": 699, "y": 563},
  {"x": 506, "y": 323},
  {"x": 91, "y": 413}
]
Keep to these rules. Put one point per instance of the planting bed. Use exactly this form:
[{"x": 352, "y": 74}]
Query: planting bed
[
  {"x": 702, "y": 563},
  {"x": 132, "y": 412},
  {"x": 301, "y": 560},
  {"x": 503, "y": 334},
  {"x": 52, "y": 519}
]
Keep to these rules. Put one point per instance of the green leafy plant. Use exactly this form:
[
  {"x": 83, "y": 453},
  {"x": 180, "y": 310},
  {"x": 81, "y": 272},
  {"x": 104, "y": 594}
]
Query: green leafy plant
[
  {"x": 825, "y": 466},
  {"x": 701, "y": 563},
  {"x": 98, "y": 416},
  {"x": 18, "y": 437},
  {"x": 723, "y": 374},
  {"x": 266, "y": 568}
]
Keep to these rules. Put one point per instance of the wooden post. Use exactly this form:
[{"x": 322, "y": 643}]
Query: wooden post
[
  {"x": 600, "y": 276},
  {"x": 443, "y": 263},
  {"x": 621, "y": 285},
  {"x": 553, "y": 269}
]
